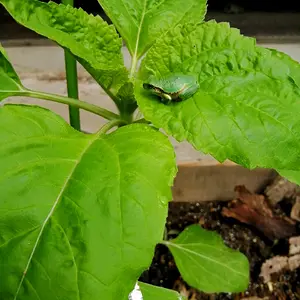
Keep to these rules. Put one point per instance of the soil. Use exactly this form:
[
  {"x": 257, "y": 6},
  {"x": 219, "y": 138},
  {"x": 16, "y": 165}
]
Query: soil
[{"x": 248, "y": 240}]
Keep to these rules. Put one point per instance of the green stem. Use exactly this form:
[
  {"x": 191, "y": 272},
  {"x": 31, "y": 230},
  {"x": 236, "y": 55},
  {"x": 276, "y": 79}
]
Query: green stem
[
  {"x": 106, "y": 114},
  {"x": 72, "y": 85},
  {"x": 110, "y": 125},
  {"x": 72, "y": 81},
  {"x": 133, "y": 65},
  {"x": 165, "y": 242}
]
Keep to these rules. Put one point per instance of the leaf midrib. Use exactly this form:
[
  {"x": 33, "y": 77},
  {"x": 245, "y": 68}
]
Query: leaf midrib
[
  {"x": 58, "y": 198},
  {"x": 169, "y": 244},
  {"x": 209, "y": 271},
  {"x": 135, "y": 53}
]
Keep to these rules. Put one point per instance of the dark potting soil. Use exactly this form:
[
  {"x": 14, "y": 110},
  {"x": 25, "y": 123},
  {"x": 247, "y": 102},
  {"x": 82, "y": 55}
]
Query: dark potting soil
[{"x": 248, "y": 240}]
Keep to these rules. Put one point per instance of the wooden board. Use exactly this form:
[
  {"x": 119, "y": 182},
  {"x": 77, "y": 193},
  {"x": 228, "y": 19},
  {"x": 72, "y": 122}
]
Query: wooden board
[{"x": 208, "y": 180}]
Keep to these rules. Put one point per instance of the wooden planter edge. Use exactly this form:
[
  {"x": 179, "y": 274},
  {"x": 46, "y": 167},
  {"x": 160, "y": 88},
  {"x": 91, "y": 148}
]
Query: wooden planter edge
[{"x": 208, "y": 180}]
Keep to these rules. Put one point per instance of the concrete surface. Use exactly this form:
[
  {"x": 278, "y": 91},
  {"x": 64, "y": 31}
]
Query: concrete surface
[{"x": 42, "y": 68}]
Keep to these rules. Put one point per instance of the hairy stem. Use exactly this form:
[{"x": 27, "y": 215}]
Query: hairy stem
[
  {"x": 72, "y": 81},
  {"x": 106, "y": 114}
]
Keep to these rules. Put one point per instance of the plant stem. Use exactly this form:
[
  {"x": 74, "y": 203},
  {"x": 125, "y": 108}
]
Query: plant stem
[
  {"x": 72, "y": 85},
  {"x": 72, "y": 81},
  {"x": 165, "y": 242},
  {"x": 110, "y": 125},
  {"x": 144, "y": 121},
  {"x": 133, "y": 65},
  {"x": 106, "y": 114}
]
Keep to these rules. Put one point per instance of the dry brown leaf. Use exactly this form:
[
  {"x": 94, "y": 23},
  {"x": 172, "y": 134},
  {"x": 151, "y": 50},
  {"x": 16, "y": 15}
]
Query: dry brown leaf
[
  {"x": 254, "y": 201},
  {"x": 254, "y": 210}
]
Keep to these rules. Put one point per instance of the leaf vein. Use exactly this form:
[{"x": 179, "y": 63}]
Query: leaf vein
[
  {"x": 34, "y": 290},
  {"x": 19, "y": 235},
  {"x": 204, "y": 257},
  {"x": 58, "y": 198},
  {"x": 71, "y": 252}
]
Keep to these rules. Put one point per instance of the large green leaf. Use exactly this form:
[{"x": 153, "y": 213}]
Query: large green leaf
[
  {"x": 80, "y": 214},
  {"x": 247, "y": 108},
  {"x": 95, "y": 43},
  {"x": 151, "y": 292},
  {"x": 141, "y": 22},
  {"x": 9, "y": 80},
  {"x": 206, "y": 263}
]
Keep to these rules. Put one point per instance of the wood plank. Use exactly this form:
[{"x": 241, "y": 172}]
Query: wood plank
[{"x": 211, "y": 181}]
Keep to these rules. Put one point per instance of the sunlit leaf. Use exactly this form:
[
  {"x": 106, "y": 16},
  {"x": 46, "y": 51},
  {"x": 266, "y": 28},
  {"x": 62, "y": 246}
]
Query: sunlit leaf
[
  {"x": 141, "y": 22},
  {"x": 151, "y": 292},
  {"x": 247, "y": 108},
  {"x": 206, "y": 263},
  {"x": 95, "y": 43},
  {"x": 80, "y": 214}
]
